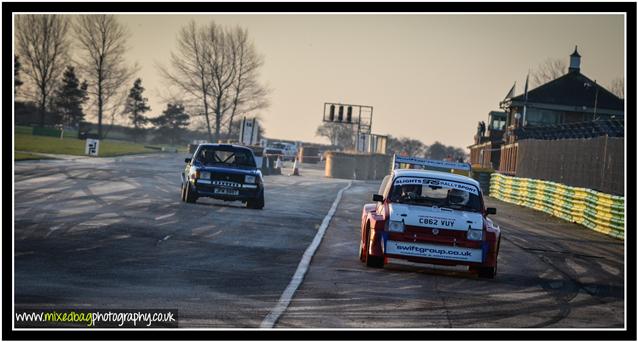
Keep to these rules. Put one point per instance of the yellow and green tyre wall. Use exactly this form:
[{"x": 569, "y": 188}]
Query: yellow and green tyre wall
[{"x": 595, "y": 210}]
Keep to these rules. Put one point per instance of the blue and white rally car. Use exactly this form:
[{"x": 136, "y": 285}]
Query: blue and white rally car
[{"x": 225, "y": 172}]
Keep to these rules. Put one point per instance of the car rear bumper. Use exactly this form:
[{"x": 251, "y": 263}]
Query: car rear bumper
[
  {"x": 428, "y": 252},
  {"x": 470, "y": 253},
  {"x": 245, "y": 192}
]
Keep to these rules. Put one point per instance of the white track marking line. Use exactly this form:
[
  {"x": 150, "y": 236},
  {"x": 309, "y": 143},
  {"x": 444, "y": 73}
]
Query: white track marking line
[
  {"x": 163, "y": 216},
  {"x": 302, "y": 268}
]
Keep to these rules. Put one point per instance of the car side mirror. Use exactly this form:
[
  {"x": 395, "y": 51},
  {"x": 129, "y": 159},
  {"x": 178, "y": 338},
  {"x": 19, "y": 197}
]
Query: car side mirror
[
  {"x": 187, "y": 160},
  {"x": 490, "y": 211},
  {"x": 377, "y": 198}
]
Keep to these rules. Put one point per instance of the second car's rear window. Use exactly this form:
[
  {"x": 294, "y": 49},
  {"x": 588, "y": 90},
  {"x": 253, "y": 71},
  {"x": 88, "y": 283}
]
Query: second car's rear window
[{"x": 221, "y": 156}]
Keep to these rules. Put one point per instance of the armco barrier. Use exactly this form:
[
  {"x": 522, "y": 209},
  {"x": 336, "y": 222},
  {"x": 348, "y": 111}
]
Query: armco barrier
[{"x": 595, "y": 210}]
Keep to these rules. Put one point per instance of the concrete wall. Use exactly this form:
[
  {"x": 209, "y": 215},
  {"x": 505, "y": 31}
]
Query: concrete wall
[{"x": 357, "y": 165}]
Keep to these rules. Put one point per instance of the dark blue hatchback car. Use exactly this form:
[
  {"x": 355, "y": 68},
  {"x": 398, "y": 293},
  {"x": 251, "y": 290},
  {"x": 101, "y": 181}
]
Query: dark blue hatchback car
[{"x": 225, "y": 172}]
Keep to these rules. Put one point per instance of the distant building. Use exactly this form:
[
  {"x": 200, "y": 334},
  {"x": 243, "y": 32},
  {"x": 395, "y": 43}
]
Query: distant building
[
  {"x": 485, "y": 152},
  {"x": 572, "y": 100},
  {"x": 572, "y": 97}
]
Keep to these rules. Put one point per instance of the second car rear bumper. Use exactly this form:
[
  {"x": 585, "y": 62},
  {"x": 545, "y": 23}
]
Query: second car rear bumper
[{"x": 246, "y": 191}]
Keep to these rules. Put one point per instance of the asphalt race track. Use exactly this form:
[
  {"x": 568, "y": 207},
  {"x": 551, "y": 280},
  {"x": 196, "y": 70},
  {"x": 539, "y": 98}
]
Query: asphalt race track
[{"x": 112, "y": 233}]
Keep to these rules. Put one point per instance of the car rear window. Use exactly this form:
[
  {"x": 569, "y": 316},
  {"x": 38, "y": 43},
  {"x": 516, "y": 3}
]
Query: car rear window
[
  {"x": 225, "y": 156},
  {"x": 440, "y": 193}
]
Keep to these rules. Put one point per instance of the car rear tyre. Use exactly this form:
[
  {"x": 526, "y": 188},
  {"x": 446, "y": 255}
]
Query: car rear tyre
[
  {"x": 190, "y": 195},
  {"x": 256, "y": 203},
  {"x": 361, "y": 251},
  {"x": 371, "y": 260},
  {"x": 487, "y": 272},
  {"x": 362, "y": 245}
]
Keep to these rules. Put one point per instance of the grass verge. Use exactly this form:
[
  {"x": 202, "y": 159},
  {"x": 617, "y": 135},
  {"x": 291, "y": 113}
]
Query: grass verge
[
  {"x": 28, "y": 156},
  {"x": 71, "y": 146}
]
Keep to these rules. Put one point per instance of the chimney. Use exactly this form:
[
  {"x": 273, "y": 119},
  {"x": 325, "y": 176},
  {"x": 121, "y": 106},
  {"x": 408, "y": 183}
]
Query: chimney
[{"x": 574, "y": 61}]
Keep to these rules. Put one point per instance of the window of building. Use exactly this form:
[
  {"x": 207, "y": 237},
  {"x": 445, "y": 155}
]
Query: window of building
[
  {"x": 535, "y": 116},
  {"x": 498, "y": 124}
]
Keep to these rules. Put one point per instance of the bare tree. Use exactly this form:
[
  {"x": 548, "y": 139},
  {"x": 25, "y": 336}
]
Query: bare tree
[
  {"x": 247, "y": 94},
  {"x": 217, "y": 67},
  {"x": 618, "y": 87},
  {"x": 549, "y": 70},
  {"x": 17, "y": 82},
  {"x": 41, "y": 41},
  {"x": 222, "y": 69},
  {"x": 338, "y": 134},
  {"x": 103, "y": 43},
  {"x": 406, "y": 146},
  {"x": 190, "y": 68}
]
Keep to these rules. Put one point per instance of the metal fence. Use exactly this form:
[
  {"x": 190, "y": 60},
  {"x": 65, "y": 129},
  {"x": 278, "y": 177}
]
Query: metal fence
[{"x": 595, "y": 163}]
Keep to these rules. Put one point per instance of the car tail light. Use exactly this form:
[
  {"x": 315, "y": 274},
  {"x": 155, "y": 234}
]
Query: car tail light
[
  {"x": 475, "y": 234},
  {"x": 395, "y": 226}
]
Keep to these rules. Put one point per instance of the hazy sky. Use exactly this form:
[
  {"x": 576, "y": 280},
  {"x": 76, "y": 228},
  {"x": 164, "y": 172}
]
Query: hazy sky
[{"x": 429, "y": 77}]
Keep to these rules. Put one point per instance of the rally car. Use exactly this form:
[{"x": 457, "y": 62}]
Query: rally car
[
  {"x": 225, "y": 172},
  {"x": 432, "y": 217}
]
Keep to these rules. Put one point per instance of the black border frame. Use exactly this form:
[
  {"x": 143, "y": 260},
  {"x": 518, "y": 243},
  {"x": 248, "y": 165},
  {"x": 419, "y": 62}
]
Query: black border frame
[{"x": 628, "y": 8}]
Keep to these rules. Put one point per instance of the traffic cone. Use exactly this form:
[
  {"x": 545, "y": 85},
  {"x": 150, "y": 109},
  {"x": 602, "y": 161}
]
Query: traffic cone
[{"x": 295, "y": 169}]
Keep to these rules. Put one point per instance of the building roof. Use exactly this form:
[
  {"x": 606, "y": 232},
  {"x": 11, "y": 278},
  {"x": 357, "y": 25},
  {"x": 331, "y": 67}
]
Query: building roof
[
  {"x": 570, "y": 90},
  {"x": 435, "y": 174},
  {"x": 575, "y": 53}
]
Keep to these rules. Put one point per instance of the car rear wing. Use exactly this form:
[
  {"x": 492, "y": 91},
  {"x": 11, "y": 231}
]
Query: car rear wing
[{"x": 402, "y": 162}]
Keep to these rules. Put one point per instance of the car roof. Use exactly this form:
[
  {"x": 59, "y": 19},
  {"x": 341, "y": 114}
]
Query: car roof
[
  {"x": 434, "y": 174},
  {"x": 225, "y": 145}
]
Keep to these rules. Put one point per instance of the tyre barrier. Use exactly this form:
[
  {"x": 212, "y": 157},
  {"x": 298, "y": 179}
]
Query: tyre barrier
[
  {"x": 595, "y": 210},
  {"x": 483, "y": 176}
]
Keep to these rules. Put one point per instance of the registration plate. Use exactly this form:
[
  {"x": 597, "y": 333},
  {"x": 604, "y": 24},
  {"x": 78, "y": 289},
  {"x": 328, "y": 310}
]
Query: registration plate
[{"x": 223, "y": 191}]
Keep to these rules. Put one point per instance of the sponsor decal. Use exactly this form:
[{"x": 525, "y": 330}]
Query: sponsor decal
[
  {"x": 452, "y": 185},
  {"x": 433, "y": 251},
  {"x": 437, "y": 182},
  {"x": 408, "y": 180}
]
